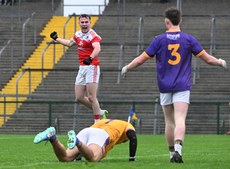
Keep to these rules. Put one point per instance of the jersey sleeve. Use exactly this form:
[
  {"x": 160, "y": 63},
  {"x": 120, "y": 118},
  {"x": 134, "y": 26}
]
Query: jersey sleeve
[
  {"x": 197, "y": 49},
  {"x": 152, "y": 48},
  {"x": 130, "y": 127},
  {"x": 95, "y": 37}
]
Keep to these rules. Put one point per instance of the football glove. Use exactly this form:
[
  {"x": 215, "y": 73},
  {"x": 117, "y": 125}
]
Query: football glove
[
  {"x": 88, "y": 61},
  {"x": 54, "y": 35},
  {"x": 124, "y": 70},
  {"x": 223, "y": 63}
]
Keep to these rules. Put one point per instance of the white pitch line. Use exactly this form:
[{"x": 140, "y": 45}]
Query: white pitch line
[{"x": 26, "y": 165}]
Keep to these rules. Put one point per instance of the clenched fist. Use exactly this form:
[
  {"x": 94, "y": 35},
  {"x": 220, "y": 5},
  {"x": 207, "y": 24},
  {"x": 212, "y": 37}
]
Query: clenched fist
[{"x": 54, "y": 35}]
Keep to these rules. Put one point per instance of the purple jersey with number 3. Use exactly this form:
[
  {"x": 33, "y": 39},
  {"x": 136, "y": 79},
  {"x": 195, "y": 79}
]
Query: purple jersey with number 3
[{"x": 173, "y": 52}]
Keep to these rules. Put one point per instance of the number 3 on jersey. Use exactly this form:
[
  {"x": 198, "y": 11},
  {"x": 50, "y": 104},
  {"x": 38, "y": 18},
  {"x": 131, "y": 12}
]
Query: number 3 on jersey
[{"x": 174, "y": 48}]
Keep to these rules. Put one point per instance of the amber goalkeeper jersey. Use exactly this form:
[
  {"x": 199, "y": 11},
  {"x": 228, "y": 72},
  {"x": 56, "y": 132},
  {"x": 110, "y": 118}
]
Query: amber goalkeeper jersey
[{"x": 116, "y": 129}]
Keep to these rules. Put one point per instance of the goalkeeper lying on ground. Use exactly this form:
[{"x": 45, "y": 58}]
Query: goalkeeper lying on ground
[{"x": 93, "y": 142}]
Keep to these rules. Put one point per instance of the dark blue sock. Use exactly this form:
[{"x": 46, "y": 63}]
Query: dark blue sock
[
  {"x": 77, "y": 141},
  {"x": 53, "y": 138}
]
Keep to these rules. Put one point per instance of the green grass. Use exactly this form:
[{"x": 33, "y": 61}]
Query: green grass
[{"x": 199, "y": 152}]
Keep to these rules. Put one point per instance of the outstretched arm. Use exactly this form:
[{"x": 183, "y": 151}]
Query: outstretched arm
[
  {"x": 135, "y": 63},
  {"x": 64, "y": 42},
  {"x": 211, "y": 60},
  {"x": 131, "y": 134}
]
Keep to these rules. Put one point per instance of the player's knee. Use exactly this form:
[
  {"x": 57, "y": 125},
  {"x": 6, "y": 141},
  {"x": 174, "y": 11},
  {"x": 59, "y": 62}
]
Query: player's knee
[
  {"x": 62, "y": 159},
  {"x": 93, "y": 159},
  {"x": 66, "y": 158},
  {"x": 79, "y": 98},
  {"x": 92, "y": 98}
]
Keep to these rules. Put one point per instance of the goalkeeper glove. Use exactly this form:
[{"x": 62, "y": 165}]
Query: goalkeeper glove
[
  {"x": 88, "y": 61},
  {"x": 124, "y": 70},
  {"x": 223, "y": 63},
  {"x": 54, "y": 35}
]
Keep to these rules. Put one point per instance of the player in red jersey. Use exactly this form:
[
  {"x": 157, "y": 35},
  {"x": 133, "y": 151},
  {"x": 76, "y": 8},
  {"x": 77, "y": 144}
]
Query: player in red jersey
[
  {"x": 88, "y": 49},
  {"x": 173, "y": 51},
  {"x": 93, "y": 142}
]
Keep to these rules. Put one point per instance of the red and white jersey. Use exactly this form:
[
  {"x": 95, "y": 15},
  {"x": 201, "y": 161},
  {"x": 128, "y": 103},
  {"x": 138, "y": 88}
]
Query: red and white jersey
[{"x": 84, "y": 42}]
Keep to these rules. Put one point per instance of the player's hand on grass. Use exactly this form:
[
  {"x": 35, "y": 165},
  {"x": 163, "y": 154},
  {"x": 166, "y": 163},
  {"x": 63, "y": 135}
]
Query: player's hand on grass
[
  {"x": 54, "y": 35},
  {"x": 223, "y": 63},
  {"x": 88, "y": 61},
  {"x": 124, "y": 70}
]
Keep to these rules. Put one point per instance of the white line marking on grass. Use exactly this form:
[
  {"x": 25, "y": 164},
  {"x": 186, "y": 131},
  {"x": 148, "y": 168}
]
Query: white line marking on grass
[{"x": 26, "y": 165}]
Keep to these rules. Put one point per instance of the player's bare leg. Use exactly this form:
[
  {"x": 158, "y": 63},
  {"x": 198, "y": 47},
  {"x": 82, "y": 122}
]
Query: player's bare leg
[
  {"x": 169, "y": 123},
  {"x": 62, "y": 154},
  {"x": 90, "y": 100},
  {"x": 80, "y": 94},
  {"x": 180, "y": 113},
  {"x": 92, "y": 153},
  {"x": 92, "y": 97},
  {"x": 59, "y": 149},
  {"x": 169, "y": 127}
]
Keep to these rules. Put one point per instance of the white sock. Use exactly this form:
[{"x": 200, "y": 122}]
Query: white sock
[
  {"x": 178, "y": 148},
  {"x": 171, "y": 154},
  {"x": 102, "y": 112},
  {"x": 96, "y": 120}
]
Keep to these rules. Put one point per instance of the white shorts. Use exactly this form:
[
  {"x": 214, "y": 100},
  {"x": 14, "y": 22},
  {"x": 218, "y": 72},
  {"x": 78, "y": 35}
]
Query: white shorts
[
  {"x": 170, "y": 98},
  {"x": 87, "y": 74},
  {"x": 93, "y": 136}
]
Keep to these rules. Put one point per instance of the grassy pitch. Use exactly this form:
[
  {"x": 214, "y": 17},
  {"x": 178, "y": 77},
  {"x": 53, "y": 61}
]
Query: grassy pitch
[{"x": 199, "y": 152}]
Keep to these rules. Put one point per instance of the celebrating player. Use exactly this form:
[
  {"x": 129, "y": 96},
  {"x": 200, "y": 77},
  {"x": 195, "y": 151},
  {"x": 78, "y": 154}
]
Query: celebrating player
[
  {"x": 173, "y": 52},
  {"x": 86, "y": 84},
  {"x": 93, "y": 142}
]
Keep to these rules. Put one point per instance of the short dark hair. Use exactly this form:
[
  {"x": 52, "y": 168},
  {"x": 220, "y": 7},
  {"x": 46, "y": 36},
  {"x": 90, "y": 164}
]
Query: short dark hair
[
  {"x": 173, "y": 14},
  {"x": 85, "y": 16}
]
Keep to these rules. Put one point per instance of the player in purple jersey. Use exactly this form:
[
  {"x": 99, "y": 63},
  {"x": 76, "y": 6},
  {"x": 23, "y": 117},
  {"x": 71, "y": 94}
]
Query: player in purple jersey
[
  {"x": 173, "y": 51},
  {"x": 174, "y": 69}
]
